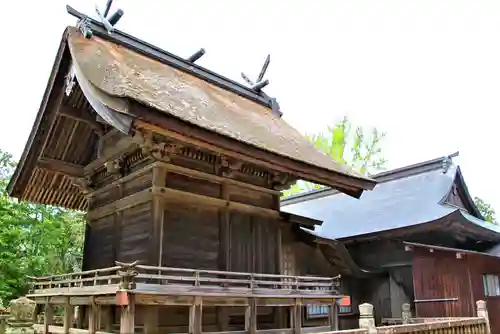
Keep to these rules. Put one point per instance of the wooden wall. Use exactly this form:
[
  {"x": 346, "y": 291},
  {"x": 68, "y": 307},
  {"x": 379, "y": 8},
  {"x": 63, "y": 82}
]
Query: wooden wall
[
  {"x": 118, "y": 235},
  {"x": 440, "y": 274}
]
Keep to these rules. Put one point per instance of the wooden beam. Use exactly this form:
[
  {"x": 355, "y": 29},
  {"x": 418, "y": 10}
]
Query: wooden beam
[
  {"x": 122, "y": 146},
  {"x": 182, "y": 131},
  {"x": 83, "y": 116},
  {"x": 120, "y": 181},
  {"x": 62, "y": 167},
  {"x": 121, "y": 204},
  {"x": 214, "y": 178},
  {"x": 179, "y": 195}
]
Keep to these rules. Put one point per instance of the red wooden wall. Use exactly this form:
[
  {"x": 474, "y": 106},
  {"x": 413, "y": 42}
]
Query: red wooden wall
[{"x": 440, "y": 274}]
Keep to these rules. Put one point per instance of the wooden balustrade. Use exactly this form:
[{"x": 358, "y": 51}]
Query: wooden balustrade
[
  {"x": 455, "y": 326},
  {"x": 177, "y": 280},
  {"x": 475, "y": 325}
]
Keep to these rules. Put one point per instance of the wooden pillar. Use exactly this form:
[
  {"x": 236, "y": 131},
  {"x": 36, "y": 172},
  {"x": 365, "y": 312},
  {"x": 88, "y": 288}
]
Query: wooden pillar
[
  {"x": 68, "y": 316},
  {"x": 195, "y": 316},
  {"x": 151, "y": 319},
  {"x": 296, "y": 317},
  {"x": 127, "y": 316},
  {"x": 251, "y": 316},
  {"x": 80, "y": 316},
  {"x": 333, "y": 316},
  {"x": 159, "y": 180},
  {"x": 48, "y": 316},
  {"x": 36, "y": 311},
  {"x": 224, "y": 258},
  {"x": 94, "y": 317},
  {"x": 107, "y": 313}
]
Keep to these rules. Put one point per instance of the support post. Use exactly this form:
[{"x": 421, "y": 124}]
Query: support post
[
  {"x": 3, "y": 324},
  {"x": 68, "y": 316},
  {"x": 333, "y": 316},
  {"x": 406, "y": 313},
  {"x": 80, "y": 316},
  {"x": 107, "y": 318},
  {"x": 94, "y": 317},
  {"x": 156, "y": 246},
  {"x": 48, "y": 316},
  {"x": 195, "y": 316},
  {"x": 482, "y": 312},
  {"x": 36, "y": 312},
  {"x": 366, "y": 319},
  {"x": 296, "y": 317},
  {"x": 151, "y": 321},
  {"x": 251, "y": 316},
  {"x": 127, "y": 316}
]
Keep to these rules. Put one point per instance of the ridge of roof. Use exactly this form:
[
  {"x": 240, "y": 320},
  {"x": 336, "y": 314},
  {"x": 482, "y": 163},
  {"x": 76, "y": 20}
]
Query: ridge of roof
[
  {"x": 168, "y": 58},
  {"x": 459, "y": 179},
  {"x": 385, "y": 176},
  {"x": 394, "y": 205}
]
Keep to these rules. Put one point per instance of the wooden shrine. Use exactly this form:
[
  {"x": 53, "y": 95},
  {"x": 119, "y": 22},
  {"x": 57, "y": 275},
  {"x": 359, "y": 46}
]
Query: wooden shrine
[{"x": 179, "y": 170}]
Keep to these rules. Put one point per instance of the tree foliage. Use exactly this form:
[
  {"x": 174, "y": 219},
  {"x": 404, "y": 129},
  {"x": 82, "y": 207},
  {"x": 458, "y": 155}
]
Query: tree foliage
[
  {"x": 354, "y": 146},
  {"x": 34, "y": 239},
  {"x": 486, "y": 210}
]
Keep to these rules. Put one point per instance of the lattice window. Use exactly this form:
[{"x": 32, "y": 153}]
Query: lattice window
[{"x": 491, "y": 285}]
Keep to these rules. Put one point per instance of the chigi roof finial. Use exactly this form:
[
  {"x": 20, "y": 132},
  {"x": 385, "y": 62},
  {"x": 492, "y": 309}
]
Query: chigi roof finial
[
  {"x": 108, "y": 22},
  {"x": 259, "y": 84}
]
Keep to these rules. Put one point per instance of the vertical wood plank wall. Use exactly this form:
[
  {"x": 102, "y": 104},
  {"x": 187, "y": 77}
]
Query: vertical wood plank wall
[
  {"x": 180, "y": 234},
  {"x": 441, "y": 274}
]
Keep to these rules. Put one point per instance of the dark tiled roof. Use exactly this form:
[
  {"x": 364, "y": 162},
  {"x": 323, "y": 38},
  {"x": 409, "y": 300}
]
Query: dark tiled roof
[{"x": 400, "y": 201}]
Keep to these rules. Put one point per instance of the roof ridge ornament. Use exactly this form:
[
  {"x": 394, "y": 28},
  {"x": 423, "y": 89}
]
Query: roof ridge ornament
[
  {"x": 104, "y": 27},
  {"x": 259, "y": 84},
  {"x": 84, "y": 24},
  {"x": 448, "y": 162}
]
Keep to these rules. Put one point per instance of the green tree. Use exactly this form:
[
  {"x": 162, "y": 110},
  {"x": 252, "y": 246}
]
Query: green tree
[
  {"x": 486, "y": 210},
  {"x": 354, "y": 146},
  {"x": 34, "y": 239}
]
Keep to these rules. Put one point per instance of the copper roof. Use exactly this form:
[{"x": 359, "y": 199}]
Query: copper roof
[{"x": 121, "y": 72}]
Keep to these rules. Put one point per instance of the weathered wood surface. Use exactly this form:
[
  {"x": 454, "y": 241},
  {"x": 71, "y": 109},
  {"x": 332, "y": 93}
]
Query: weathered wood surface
[
  {"x": 183, "y": 281},
  {"x": 455, "y": 326}
]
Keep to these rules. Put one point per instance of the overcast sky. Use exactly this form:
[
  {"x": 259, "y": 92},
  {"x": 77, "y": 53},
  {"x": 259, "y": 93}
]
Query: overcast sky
[{"x": 427, "y": 72}]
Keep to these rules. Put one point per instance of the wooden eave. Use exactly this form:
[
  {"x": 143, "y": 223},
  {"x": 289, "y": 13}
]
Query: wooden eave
[
  {"x": 409, "y": 246},
  {"x": 149, "y": 119},
  {"x": 46, "y": 116},
  {"x": 454, "y": 222},
  {"x": 337, "y": 254},
  {"x": 43, "y": 157}
]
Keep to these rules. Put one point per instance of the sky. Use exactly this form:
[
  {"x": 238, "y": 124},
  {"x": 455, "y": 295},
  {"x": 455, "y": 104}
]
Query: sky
[{"x": 426, "y": 72}]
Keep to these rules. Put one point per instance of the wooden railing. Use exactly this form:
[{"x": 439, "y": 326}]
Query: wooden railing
[
  {"x": 471, "y": 325},
  {"x": 456, "y": 326},
  {"x": 137, "y": 277}
]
